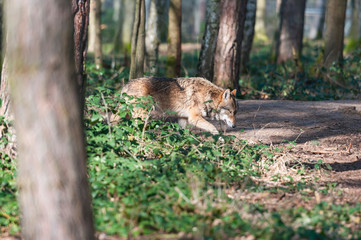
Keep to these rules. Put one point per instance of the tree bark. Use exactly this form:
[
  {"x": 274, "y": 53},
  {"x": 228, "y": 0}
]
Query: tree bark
[
  {"x": 153, "y": 35},
  {"x": 260, "y": 26},
  {"x": 228, "y": 50},
  {"x": 138, "y": 42},
  {"x": 355, "y": 31},
  {"x": 173, "y": 63},
  {"x": 334, "y": 34},
  {"x": 95, "y": 38},
  {"x": 52, "y": 179},
  {"x": 81, "y": 10},
  {"x": 248, "y": 33},
  {"x": 123, "y": 35},
  {"x": 321, "y": 23},
  {"x": 5, "y": 91},
  {"x": 206, "y": 56},
  {"x": 289, "y": 44}
]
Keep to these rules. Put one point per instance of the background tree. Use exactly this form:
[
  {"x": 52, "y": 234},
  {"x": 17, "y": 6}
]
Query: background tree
[
  {"x": 206, "y": 56},
  {"x": 95, "y": 38},
  {"x": 5, "y": 91},
  {"x": 138, "y": 41},
  {"x": 355, "y": 31},
  {"x": 153, "y": 35},
  {"x": 260, "y": 27},
  {"x": 248, "y": 33},
  {"x": 81, "y": 10},
  {"x": 334, "y": 36},
  {"x": 52, "y": 179},
  {"x": 289, "y": 44},
  {"x": 124, "y": 30},
  {"x": 228, "y": 51},
  {"x": 321, "y": 23},
  {"x": 173, "y": 64}
]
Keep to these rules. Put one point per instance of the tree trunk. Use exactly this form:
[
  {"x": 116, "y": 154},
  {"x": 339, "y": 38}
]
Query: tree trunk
[
  {"x": 153, "y": 35},
  {"x": 52, "y": 179},
  {"x": 117, "y": 5},
  {"x": 5, "y": 91},
  {"x": 206, "y": 56},
  {"x": 228, "y": 51},
  {"x": 289, "y": 44},
  {"x": 173, "y": 64},
  {"x": 355, "y": 31},
  {"x": 248, "y": 33},
  {"x": 321, "y": 23},
  {"x": 81, "y": 10},
  {"x": 334, "y": 37},
  {"x": 124, "y": 32},
  {"x": 260, "y": 26},
  {"x": 138, "y": 42},
  {"x": 95, "y": 40},
  {"x": 334, "y": 34}
]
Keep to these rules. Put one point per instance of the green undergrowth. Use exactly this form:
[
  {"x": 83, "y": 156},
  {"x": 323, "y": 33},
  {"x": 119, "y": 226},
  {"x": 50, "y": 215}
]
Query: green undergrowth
[
  {"x": 152, "y": 177},
  {"x": 303, "y": 79}
]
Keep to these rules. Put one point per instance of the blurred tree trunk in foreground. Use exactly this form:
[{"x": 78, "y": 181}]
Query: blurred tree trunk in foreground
[
  {"x": 138, "y": 42},
  {"x": 321, "y": 23},
  {"x": 228, "y": 51},
  {"x": 153, "y": 35},
  {"x": 289, "y": 44},
  {"x": 248, "y": 33},
  {"x": 334, "y": 36},
  {"x": 81, "y": 10},
  {"x": 174, "y": 55},
  {"x": 52, "y": 179},
  {"x": 95, "y": 38},
  {"x": 206, "y": 56}
]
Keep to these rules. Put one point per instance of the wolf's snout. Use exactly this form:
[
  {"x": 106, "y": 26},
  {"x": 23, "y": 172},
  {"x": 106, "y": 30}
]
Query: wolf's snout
[{"x": 233, "y": 125}]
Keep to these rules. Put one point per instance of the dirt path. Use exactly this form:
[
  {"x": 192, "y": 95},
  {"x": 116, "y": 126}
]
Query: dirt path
[{"x": 329, "y": 131}]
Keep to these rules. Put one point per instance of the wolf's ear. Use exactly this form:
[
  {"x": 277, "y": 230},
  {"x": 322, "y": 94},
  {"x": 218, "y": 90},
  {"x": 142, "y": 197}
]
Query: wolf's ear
[
  {"x": 234, "y": 92},
  {"x": 226, "y": 94}
]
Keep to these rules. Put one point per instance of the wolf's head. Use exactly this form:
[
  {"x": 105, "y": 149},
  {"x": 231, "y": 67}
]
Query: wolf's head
[{"x": 227, "y": 108}]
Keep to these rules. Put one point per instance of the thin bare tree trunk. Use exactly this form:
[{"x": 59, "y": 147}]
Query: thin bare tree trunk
[
  {"x": 289, "y": 44},
  {"x": 260, "y": 26},
  {"x": 124, "y": 32},
  {"x": 95, "y": 38},
  {"x": 334, "y": 34},
  {"x": 248, "y": 33},
  {"x": 321, "y": 23},
  {"x": 173, "y": 64},
  {"x": 228, "y": 52},
  {"x": 206, "y": 56},
  {"x": 52, "y": 179},
  {"x": 334, "y": 37},
  {"x": 355, "y": 31},
  {"x": 81, "y": 10},
  {"x": 5, "y": 91},
  {"x": 153, "y": 35},
  {"x": 138, "y": 42}
]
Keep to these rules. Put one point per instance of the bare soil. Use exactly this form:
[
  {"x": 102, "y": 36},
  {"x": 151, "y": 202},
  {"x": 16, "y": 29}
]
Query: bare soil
[{"x": 326, "y": 130}]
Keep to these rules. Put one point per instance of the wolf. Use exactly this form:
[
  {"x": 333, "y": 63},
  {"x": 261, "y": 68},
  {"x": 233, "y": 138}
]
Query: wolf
[{"x": 191, "y": 99}]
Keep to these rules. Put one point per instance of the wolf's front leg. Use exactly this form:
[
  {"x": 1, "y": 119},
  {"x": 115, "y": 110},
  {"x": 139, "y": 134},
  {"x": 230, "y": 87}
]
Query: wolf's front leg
[
  {"x": 198, "y": 121},
  {"x": 182, "y": 122}
]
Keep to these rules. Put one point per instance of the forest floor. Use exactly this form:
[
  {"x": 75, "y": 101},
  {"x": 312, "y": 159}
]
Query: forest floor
[
  {"x": 316, "y": 135},
  {"x": 305, "y": 133}
]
